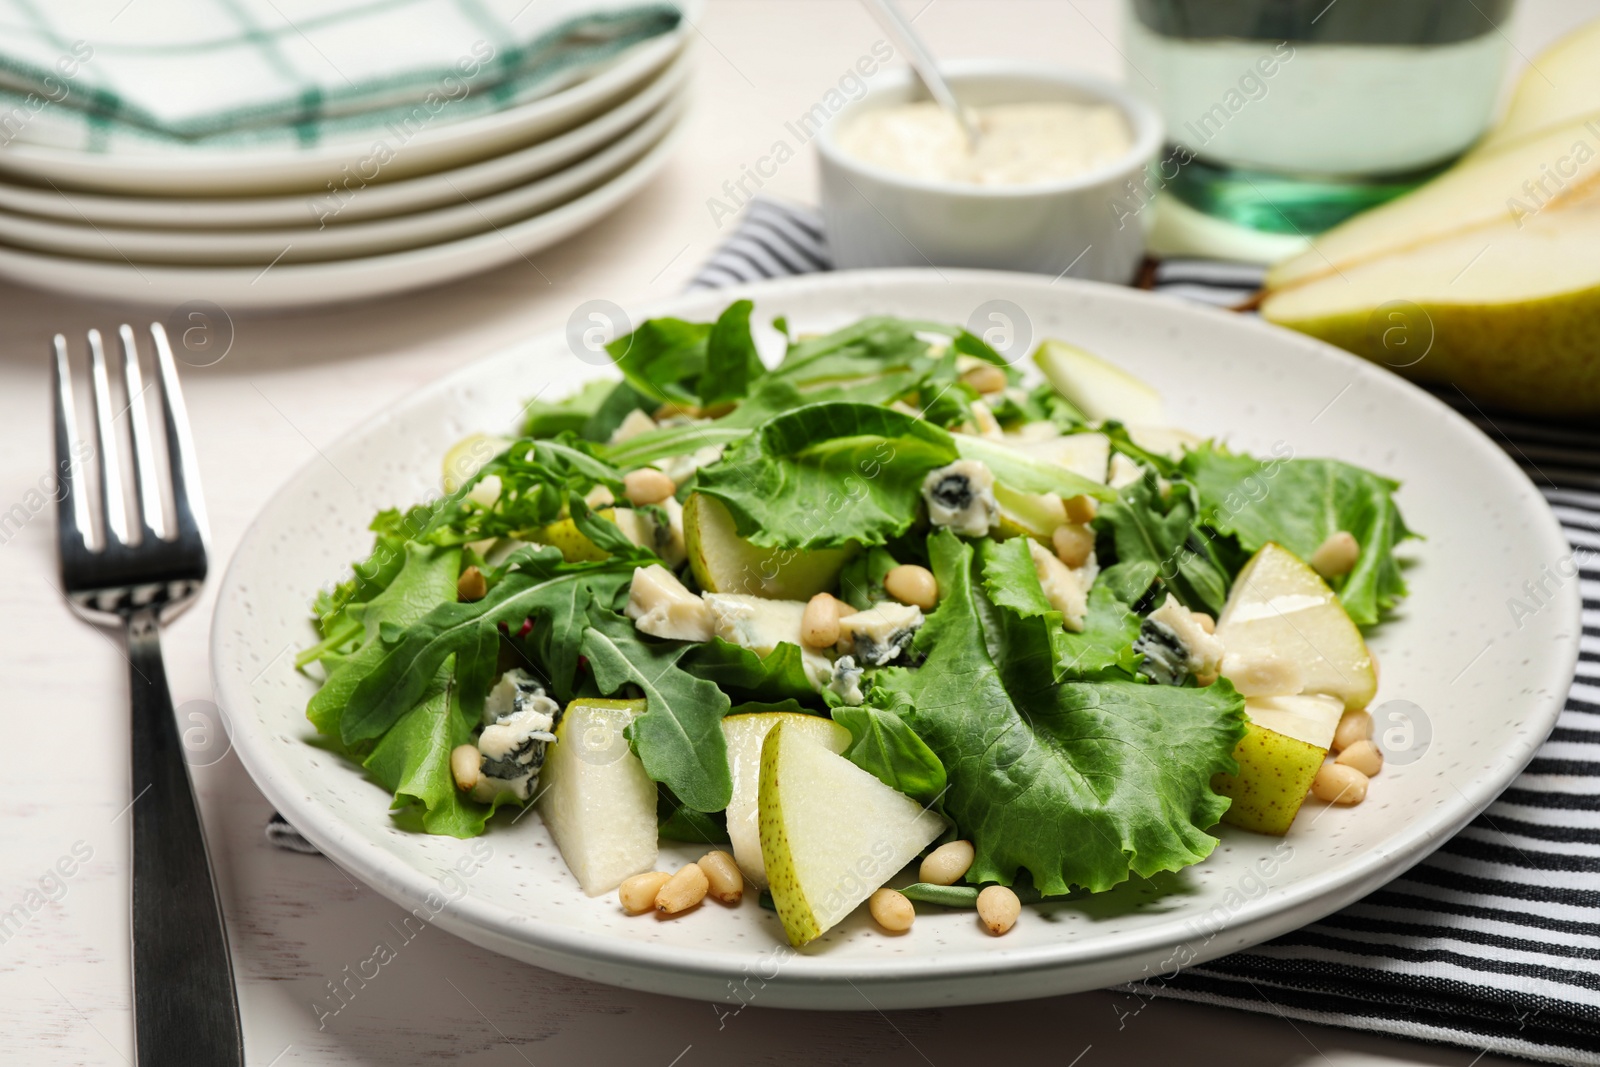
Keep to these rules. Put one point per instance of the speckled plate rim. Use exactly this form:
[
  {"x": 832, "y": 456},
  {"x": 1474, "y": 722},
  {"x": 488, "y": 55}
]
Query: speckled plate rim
[{"x": 814, "y": 980}]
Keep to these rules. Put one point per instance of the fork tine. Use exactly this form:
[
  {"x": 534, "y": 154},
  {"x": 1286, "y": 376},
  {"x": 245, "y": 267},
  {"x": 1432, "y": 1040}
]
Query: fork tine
[
  {"x": 189, "y": 512},
  {"x": 113, "y": 509},
  {"x": 147, "y": 488},
  {"x": 72, "y": 507}
]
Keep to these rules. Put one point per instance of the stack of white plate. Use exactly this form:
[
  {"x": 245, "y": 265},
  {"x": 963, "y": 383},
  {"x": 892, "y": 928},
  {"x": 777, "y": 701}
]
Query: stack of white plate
[{"x": 275, "y": 228}]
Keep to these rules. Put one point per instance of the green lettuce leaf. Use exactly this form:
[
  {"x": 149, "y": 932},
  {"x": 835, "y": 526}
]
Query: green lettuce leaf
[
  {"x": 1299, "y": 503},
  {"x": 412, "y": 761},
  {"x": 426, "y": 579},
  {"x": 828, "y": 474},
  {"x": 679, "y": 737},
  {"x": 1080, "y": 783},
  {"x": 732, "y": 363}
]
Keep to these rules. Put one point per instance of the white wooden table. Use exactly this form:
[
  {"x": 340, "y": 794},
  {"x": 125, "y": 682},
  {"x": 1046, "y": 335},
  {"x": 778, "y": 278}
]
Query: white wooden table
[{"x": 293, "y": 382}]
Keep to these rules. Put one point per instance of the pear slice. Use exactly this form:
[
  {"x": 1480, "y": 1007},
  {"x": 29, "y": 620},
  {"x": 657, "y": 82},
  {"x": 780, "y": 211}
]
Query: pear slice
[
  {"x": 1509, "y": 313},
  {"x": 1281, "y": 607},
  {"x": 596, "y": 799},
  {"x": 744, "y": 734},
  {"x": 1481, "y": 191},
  {"x": 724, "y": 562},
  {"x": 1311, "y": 717},
  {"x": 1275, "y": 771},
  {"x": 1095, "y": 387},
  {"x": 831, "y": 833}
]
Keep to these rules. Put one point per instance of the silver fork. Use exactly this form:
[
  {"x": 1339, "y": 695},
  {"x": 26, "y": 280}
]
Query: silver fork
[{"x": 185, "y": 1007}]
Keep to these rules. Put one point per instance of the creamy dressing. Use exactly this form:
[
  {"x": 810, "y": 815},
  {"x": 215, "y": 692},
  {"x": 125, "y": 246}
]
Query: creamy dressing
[{"x": 1018, "y": 144}]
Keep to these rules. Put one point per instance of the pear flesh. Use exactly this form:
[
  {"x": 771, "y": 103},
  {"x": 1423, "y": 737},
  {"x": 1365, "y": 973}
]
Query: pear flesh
[
  {"x": 1281, "y": 607},
  {"x": 724, "y": 562},
  {"x": 745, "y": 734},
  {"x": 1095, "y": 387},
  {"x": 597, "y": 801},
  {"x": 831, "y": 833}
]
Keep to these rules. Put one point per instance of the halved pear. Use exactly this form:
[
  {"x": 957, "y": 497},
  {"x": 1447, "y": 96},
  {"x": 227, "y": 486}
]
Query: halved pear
[
  {"x": 831, "y": 833},
  {"x": 1280, "y": 606},
  {"x": 1509, "y": 312},
  {"x": 745, "y": 734},
  {"x": 596, "y": 799},
  {"x": 724, "y": 562},
  {"x": 1560, "y": 86},
  {"x": 1098, "y": 389},
  {"x": 1481, "y": 191}
]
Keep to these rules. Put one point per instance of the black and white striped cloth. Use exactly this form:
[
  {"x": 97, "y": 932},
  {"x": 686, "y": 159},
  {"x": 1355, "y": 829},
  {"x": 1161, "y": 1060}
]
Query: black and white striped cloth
[{"x": 1494, "y": 941}]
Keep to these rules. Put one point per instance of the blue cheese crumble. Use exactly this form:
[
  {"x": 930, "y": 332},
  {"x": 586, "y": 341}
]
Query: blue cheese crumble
[
  {"x": 511, "y": 748},
  {"x": 960, "y": 496}
]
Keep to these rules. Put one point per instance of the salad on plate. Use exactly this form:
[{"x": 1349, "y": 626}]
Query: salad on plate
[{"x": 890, "y": 598}]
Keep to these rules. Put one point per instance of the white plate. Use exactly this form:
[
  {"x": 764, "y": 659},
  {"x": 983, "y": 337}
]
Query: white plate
[
  {"x": 275, "y": 285},
  {"x": 1491, "y": 692},
  {"x": 254, "y": 248},
  {"x": 436, "y": 147},
  {"x": 375, "y": 200}
]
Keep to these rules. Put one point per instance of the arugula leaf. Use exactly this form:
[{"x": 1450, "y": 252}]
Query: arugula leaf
[
  {"x": 622, "y": 400},
  {"x": 778, "y": 676},
  {"x": 412, "y": 761},
  {"x": 1079, "y": 783},
  {"x": 1156, "y": 543},
  {"x": 828, "y": 474},
  {"x": 662, "y": 358},
  {"x": 675, "y": 821},
  {"x": 426, "y": 579},
  {"x": 679, "y": 737},
  {"x": 732, "y": 363},
  {"x": 861, "y": 581},
  {"x": 551, "y": 418},
  {"x": 884, "y": 746},
  {"x": 1299, "y": 503},
  {"x": 538, "y": 585},
  {"x": 537, "y": 481}
]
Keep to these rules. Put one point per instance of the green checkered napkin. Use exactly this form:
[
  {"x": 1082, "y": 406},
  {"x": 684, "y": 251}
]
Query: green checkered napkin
[{"x": 142, "y": 76}]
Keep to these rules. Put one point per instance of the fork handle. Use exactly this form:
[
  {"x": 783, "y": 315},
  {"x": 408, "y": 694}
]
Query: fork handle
[{"x": 185, "y": 1009}]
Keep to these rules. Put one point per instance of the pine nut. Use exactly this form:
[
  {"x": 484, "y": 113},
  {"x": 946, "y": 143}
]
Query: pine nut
[
  {"x": 1364, "y": 756},
  {"x": 892, "y": 910},
  {"x": 998, "y": 908},
  {"x": 1338, "y": 784},
  {"x": 1353, "y": 726},
  {"x": 819, "y": 626},
  {"x": 1206, "y": 622},
  {"x": 911, "y": 584},
  {"x": 1336, "y": 556},
  {"x": 986, "y": 379},
  {"x": 465, "y": 762},
  {"x": 471, "y": 585},
  {"x": 1081, "y": 509},
  {"x": 647, "y": 486},
  {"x": 947, "y": 864},
  {"x": 638, "y": 894},
  {"x": 683, "y": 890},
  {"x": 724, "y": 882},
  {"x": 1073, "y": 543},
  {"x": 1263, "y": 675}
]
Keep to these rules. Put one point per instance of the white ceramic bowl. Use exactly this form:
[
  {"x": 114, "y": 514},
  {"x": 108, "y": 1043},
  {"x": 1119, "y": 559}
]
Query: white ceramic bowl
[{"x": 878, "y": 218}]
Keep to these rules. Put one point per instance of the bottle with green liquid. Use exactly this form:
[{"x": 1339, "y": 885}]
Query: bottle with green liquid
[{"x": 1285, "y": 117}]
